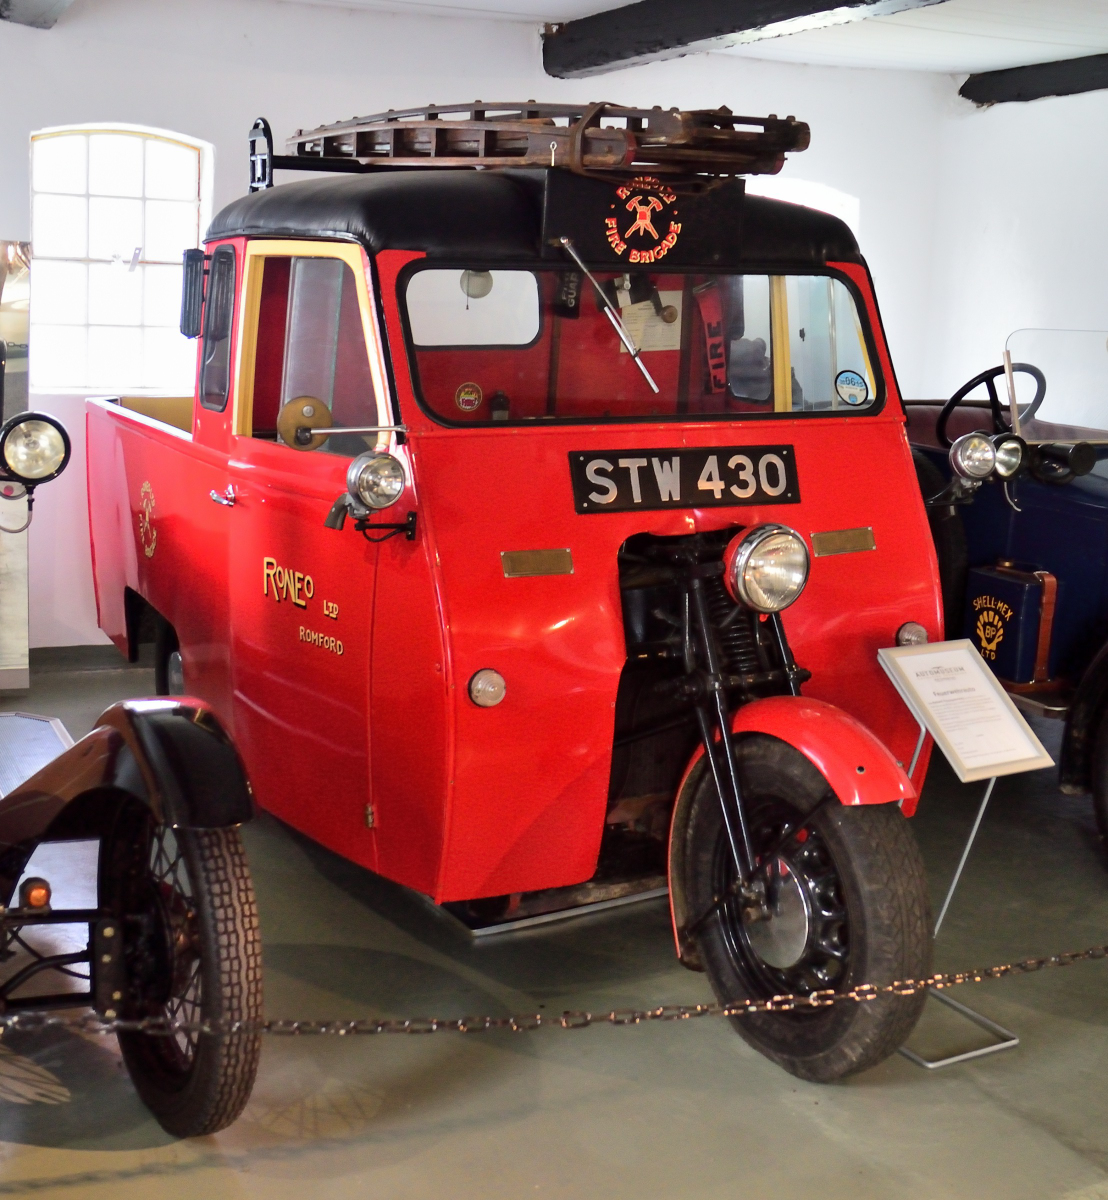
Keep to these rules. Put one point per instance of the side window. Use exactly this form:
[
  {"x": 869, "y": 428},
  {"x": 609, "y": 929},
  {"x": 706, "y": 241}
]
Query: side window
[
  {"x": 311, "y": 367},
  {"x": 215, "y": 363}
]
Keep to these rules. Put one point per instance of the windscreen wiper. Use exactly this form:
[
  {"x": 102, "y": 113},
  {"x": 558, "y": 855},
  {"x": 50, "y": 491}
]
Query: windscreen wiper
[{"x": 612, "y": 315}]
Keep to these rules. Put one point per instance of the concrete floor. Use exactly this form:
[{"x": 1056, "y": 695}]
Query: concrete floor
[{"x": 666, "y": 1111}]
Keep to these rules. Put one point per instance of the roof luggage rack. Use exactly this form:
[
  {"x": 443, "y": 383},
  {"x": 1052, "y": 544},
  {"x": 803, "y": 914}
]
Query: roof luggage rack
[{"x": 665, "y": 142}]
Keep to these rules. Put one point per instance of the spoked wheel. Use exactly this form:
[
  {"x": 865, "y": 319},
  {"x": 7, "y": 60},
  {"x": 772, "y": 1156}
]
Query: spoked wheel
[
  {"x": 193, "y": 953},
  {"x": 848, "y": 904}
]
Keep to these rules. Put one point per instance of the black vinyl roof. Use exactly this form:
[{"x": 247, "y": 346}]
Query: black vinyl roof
[{"x": 490, "y": 215}]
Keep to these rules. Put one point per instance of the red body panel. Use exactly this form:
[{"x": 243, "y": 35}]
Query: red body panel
[
  {"x": 300, "y": 676},
  {"x": 468, "y": 801},
  {"x": 180, "y": 563}
]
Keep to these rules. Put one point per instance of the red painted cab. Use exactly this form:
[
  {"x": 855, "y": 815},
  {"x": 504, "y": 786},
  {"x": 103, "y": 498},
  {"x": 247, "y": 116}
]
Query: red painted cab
[{"x": 534, "y": 519}]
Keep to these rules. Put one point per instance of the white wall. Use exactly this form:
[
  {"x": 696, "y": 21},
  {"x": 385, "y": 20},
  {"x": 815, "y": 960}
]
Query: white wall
[
  {"x": 1021, "y": 230},
  {"x": 209, "y": 67}
]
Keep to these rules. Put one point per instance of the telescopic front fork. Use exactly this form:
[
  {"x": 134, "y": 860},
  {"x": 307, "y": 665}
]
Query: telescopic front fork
[{"x": 715, "y": 727}]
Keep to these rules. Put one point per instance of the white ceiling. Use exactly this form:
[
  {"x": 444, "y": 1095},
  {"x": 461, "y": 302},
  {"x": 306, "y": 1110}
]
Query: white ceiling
[
  {"x": 531, "y": 11},
  {"x": 958, "y": 36}
]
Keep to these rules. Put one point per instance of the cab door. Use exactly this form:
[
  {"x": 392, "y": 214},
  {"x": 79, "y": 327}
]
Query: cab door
[{"x": 302, "y": 594}]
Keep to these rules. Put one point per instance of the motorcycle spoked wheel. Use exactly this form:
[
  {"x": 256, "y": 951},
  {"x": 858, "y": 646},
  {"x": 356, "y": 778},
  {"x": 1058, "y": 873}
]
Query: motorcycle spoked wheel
[
  {"x": 193, "y": 952},
  {"x": 849, "y": 904}
]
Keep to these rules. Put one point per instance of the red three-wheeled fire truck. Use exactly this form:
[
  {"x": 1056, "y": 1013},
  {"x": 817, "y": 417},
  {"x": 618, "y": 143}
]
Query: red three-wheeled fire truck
[{"x": 540, "y": 511}]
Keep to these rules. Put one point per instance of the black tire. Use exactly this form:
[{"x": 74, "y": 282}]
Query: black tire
[
  {"x": 168, "y": 679},
  {"x": 193, "y": 952},
  {"x": 858, "y": 875},
  {"x": 1099, "y": 776},
  {"x": 949, "y": 535}
]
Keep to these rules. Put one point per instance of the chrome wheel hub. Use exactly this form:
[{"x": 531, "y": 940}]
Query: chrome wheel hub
[{"x": 780, "y": 937}]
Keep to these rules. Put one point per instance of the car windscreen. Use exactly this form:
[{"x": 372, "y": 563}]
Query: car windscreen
[
  {"x": 1061, "y": 383},
  {"x": 520, "y": 346}
]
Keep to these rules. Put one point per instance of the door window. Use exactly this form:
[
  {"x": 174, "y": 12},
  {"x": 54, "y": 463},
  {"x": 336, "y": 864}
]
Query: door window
[{"x": 311, "y": 367}]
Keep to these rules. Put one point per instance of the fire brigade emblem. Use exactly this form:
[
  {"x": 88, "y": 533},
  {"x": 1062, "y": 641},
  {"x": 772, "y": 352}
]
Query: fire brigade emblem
[
  {"x": 148, "y": 535},
  {"x": 990, "y": 631},
  {"x": 643, "y": 221}
]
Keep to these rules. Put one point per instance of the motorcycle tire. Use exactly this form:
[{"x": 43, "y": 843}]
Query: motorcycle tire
[
  {"x": 850, "y": 905},
  {"x": 192, "y": 949}
]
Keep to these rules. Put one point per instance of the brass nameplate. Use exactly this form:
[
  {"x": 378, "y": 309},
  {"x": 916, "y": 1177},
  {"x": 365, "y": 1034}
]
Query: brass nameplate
[
  {"x": 843, "y": 541},
  {"x": 520, "y": 563}
]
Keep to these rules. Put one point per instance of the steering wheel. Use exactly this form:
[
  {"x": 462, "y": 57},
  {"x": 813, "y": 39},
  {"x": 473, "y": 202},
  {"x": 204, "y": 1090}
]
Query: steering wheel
[{"x": 1000, "y": 424}]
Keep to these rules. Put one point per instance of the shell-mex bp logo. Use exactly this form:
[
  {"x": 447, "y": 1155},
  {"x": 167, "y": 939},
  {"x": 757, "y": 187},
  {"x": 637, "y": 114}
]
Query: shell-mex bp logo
[
  {"x": 992, "y": 619},
  {"x": 643, "y": 222},
  {"x": 148, "y": 535}
]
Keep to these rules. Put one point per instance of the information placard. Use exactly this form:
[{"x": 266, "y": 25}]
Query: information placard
[{"x": 964, "y": 707}]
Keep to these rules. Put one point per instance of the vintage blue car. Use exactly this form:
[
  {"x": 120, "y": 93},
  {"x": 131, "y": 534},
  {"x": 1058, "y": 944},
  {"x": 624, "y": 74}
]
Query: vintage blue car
[{"x": 1021, "y": 532}]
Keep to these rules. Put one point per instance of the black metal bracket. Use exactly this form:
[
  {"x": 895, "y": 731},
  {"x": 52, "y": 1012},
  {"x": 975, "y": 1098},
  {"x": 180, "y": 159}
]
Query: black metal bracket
[
  {"x": 261, "y": 156},
  {"x": 958, "y": 491},
  {"x": 46, "y": 963},
  {"x": 12, "y": 923},
  {"x": 108, "y": 969},
  {"x": 407, "y": 527},
  {"x": 796, "y": 675}
]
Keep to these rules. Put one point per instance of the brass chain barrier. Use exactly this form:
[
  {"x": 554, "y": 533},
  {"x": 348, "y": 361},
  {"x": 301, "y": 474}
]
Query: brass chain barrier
[{"x": 520, "y": 1023}]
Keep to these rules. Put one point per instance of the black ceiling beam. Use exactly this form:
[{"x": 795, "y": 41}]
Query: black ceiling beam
[
  {"x": 1067, "y": 77},
  {"x": 39, "y": 14},
  {"x": 653, "y": 29}
]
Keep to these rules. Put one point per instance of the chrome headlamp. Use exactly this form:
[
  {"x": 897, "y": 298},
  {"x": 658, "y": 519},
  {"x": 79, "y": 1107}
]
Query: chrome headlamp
[
  {"x": 1011, "y": 452},
  {"x": 376, "y": 479},
  {"x": 34, "y": 448},
  {"x": 766, "y": 568},
  {"x": 973, "y": 457}
]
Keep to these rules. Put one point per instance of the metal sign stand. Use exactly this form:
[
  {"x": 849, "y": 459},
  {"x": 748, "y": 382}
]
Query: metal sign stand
[
  {"x": 953, "y": 695},
  {"x": 1006, "y": 1039}
]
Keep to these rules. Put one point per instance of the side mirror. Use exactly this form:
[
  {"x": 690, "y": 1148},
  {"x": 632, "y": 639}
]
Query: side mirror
[{"x": 192, "y": 292}]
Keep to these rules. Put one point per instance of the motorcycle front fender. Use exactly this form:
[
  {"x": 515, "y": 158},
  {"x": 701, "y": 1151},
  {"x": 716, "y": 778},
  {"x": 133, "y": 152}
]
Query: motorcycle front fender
[{"x": 857, "y": 766}]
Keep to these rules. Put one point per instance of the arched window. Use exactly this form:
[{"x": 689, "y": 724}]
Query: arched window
[
  {"x": 113, "y": 209},
  {"x": 821, "y": 196}
]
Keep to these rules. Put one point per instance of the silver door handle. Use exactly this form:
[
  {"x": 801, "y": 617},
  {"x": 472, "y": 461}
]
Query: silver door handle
[{"x": 228, "y": 497}]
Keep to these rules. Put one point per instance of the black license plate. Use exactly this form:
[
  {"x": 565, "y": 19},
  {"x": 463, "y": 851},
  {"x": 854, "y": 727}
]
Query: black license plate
[{"x": 712, "y": 477}]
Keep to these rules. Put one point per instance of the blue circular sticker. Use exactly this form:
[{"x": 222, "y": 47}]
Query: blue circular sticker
[{"x": 851, "y": 387}]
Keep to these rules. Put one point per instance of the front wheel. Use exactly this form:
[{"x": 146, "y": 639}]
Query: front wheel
[
  {"x": 848, "y": 904},
  {"x": 192, "y": 949},
  {"x": 1100, "y": 776}
]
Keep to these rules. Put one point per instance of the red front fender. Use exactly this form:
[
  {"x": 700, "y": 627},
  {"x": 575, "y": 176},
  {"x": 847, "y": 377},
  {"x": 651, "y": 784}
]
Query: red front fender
[{"x": 858, "y": 767}]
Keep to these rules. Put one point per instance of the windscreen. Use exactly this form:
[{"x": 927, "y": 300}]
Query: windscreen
[
  {"x": 1063, "y": 396},
  {"x": 520, "y": 346}
]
